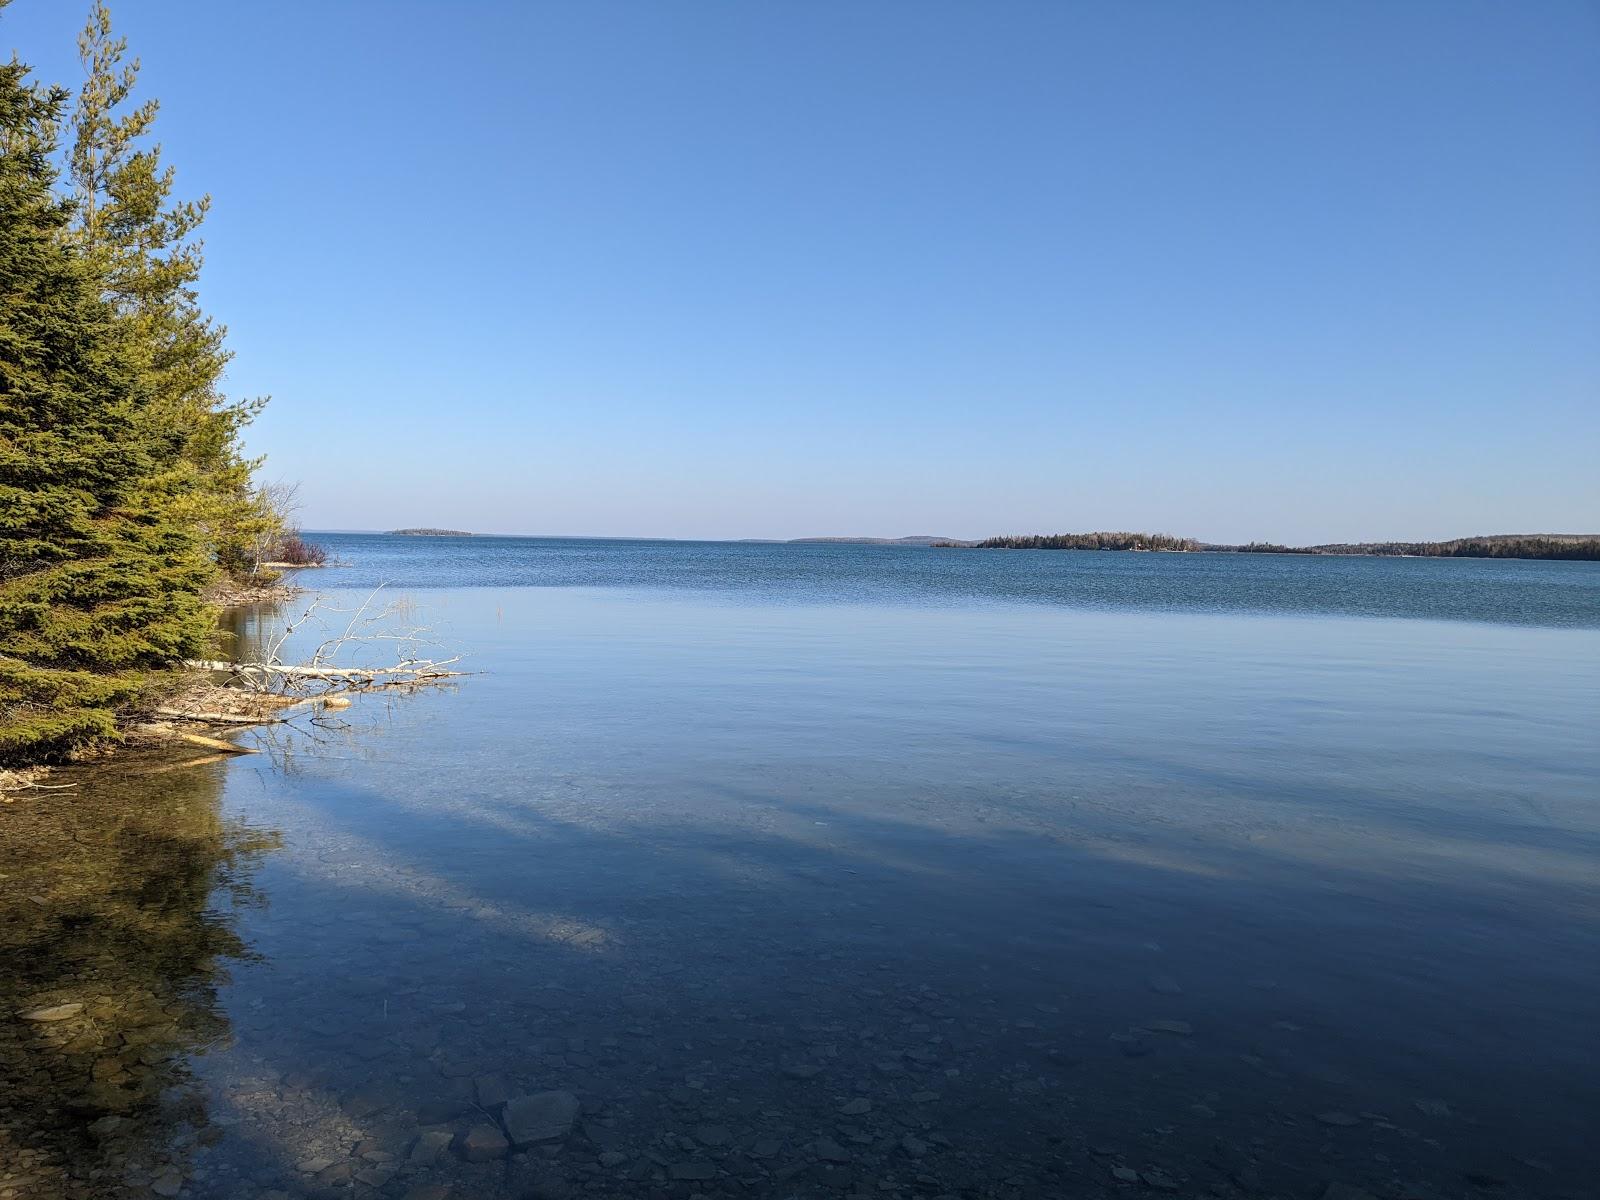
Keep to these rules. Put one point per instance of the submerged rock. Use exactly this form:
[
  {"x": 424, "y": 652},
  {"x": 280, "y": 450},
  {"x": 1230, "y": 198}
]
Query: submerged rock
[
  {"x": 541, "y": 1117},
  {"x": 1181, "y": 1028},
  {"x": 482, "y": 1143},
  {"x": 427, "y": 1148},
  {"x": 713, "y": 1135},
  {"x": 53, "y": 1012},
  {"x": 830, "y": 1151},
  {"x": 339, "y": 1173},
  {"x": 491, "y": 1091}
]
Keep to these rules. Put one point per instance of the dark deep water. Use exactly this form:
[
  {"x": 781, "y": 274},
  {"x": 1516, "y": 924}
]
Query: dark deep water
[{"x": 836, "y": 871}]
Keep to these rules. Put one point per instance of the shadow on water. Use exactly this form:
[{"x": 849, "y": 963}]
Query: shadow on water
[{"x": 805, "y": 1001}]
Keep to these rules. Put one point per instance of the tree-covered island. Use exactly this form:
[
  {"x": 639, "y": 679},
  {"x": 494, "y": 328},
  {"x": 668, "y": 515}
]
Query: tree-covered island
[{"x": 1568, "y": 546}]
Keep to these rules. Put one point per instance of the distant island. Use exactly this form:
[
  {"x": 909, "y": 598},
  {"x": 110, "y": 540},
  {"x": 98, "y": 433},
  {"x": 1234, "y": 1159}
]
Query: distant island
[
  {"x": 431, "y": 532},
  {"x": 1088, "y": 541},
  {"x": 1568, "y": 546},
  {"x": 1572, "y": 546}
]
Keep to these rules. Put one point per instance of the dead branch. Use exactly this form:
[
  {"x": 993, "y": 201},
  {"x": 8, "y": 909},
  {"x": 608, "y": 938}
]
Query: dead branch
[
  {"x": 282, "y": 675},
  {"x": 417, "y": 669},
  {"x": 20, "y": 779},
  {"x": 221, "y": 718}
]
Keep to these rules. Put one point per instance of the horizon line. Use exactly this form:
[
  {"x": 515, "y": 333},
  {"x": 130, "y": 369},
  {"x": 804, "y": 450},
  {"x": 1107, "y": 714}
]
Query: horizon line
[{"x": 631, "y": 537}]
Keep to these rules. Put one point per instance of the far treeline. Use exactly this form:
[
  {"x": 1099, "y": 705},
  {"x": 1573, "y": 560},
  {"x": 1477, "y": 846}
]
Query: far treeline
[
  {"x": 1087, "y": 541},
  {"x": 125, "y": 492},
  {"x": 1516, "y": 545},
  {"x": 1575, "y": 546}
]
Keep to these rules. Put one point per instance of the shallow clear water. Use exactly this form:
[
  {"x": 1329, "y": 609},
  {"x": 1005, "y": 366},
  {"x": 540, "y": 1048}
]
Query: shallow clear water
[{"x": 1125, "y": 866}]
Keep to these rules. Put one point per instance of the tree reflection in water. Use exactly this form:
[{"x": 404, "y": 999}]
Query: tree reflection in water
[{"x": 116, "y": 895}]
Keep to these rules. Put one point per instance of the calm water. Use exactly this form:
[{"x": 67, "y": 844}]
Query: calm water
[
  {"x": 1514, "y": 593},
  {"x": 837, "y": 871}
]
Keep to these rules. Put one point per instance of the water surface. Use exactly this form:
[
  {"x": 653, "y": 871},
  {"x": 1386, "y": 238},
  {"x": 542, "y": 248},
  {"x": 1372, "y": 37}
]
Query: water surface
[
  {"x": 847, "y": 876},
  {"x": 1502, "y": 591}
]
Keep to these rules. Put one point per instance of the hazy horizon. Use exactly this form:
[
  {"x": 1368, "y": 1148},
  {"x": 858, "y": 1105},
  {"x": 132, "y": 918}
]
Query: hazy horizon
[
  {"x": 1238, "y": 271},
  {"x": 639, "y": 537}
]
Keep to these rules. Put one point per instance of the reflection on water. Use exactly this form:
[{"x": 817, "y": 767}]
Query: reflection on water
[
  {"x": 117, "y": 902},
  {"x": 243, "y": 632},
  {"x": 690, "y": 896}
]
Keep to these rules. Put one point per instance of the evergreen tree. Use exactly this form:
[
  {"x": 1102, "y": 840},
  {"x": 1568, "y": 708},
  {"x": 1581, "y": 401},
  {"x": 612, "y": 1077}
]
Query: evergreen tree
[
  {"x": 144, "y": 244},
  {"x": 101, "y": 569}
]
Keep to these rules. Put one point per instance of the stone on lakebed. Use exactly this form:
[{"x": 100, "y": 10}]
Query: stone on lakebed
[
  {"x": 541, "y": 1117},
  {"x": 482, "y": 1143},
  {"x": 53, "y": 1012}
]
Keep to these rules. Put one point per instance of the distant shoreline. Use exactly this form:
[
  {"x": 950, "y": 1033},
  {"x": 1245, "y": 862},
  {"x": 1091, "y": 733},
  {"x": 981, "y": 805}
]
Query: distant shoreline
[
  {"x": 1559, "y": 547},
  {"x": 1532, "y": 547}
]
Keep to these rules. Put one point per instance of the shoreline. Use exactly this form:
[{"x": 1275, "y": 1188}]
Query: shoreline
[
  {"x": 1236, "y": 552},
  {"x": 231, "y": 593},
  {"x": 197, "y": 699},
  {"x": 192, "y": 701}
]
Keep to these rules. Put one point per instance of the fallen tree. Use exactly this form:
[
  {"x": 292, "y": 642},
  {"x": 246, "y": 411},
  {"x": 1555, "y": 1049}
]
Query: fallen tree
[
  {"x": 329, "y": 669},
  {"x": 413, "y": 671}
]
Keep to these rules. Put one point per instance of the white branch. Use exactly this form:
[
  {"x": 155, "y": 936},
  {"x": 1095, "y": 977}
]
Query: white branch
[{"x": 419, "y": 669}]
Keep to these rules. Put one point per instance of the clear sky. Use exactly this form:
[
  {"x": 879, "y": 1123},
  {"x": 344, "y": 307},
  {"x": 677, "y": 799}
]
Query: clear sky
[{"x": 1291, "y": 271}]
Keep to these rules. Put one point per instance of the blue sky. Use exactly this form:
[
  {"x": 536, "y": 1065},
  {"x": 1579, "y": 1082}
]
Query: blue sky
[{"x": 1281, "y": 270}]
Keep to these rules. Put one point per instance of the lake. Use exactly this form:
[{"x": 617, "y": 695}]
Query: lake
[{"x": 828, "y": 870}]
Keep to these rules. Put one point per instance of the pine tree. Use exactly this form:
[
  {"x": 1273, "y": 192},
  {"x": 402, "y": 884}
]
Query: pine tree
[
  {"x": 101, "y": 570},
  {"x": 144, "y": 244}
]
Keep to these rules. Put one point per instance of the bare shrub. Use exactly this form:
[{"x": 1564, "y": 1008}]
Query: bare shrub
[{"x": 295, "y": 551}]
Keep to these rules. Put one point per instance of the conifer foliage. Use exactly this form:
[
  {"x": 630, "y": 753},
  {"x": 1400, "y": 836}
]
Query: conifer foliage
[
  {"x": 116, "y": 455},
  {"x": 144, "y": 246}
]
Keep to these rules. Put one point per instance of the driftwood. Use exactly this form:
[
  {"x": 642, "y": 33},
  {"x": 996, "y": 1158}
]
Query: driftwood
[
  {"x": 221, "y": 718},
  {"x": 262, "y": 691},
  {"x": 414, "y": 669},
  {"x": 322, "y": 674},
  {"x": 7, "y": 786},
  {"x": 215, "y": 744}
]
